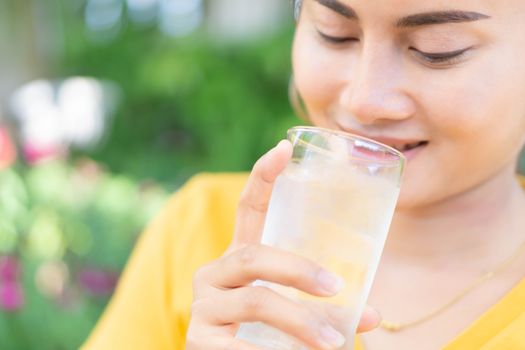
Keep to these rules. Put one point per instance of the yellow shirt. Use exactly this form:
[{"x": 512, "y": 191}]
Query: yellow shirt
[{"x": 151, "y": 306}]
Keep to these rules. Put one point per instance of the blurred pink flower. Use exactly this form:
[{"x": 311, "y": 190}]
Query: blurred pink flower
[
  {"x": 11, "y": 296},
  {"x": 35, "y": 153},
  {"x": 7, "y": 150},
  {"x": 9, "y": 268},
  {"x": 98, "y": 282}
]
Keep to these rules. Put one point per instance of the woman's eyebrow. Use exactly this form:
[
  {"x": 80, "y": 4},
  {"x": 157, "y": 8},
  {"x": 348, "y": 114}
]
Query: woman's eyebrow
[
  {"x": 439, "y": 17},
  {"x": 339, "y": 7},
  {"x": 420, "y": 19}
]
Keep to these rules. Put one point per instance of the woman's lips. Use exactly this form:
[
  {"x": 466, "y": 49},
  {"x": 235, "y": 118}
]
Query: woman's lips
[
  {"x": 410, "y": 147},
  {"x": 410, "y": 153}
]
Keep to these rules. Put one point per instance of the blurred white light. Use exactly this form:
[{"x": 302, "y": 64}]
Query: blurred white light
[
  {"x": 81, "y": 104},
  {"x": 38, "y": 116},
  {"x": 73, "y": 112},
  {"x": 180, "y": 17},
  {"x": 44, "y": 129},
  {"x": 143, "y": 11},
  {"x": 104, "y": 16},
  {"x": 31, "y": 98}
]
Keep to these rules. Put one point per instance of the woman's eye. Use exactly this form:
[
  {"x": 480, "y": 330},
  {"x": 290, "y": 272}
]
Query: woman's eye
[
  {"x": 336, "y": 39},
  {"x": 441, "y": 58}
]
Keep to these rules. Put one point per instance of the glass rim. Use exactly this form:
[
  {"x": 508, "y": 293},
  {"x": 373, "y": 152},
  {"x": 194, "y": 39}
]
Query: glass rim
[{"x": 352, "y": 137}]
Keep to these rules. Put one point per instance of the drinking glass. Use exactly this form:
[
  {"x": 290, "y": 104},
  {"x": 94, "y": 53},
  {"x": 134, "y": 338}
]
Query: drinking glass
[{"x": 333, "y": 204}]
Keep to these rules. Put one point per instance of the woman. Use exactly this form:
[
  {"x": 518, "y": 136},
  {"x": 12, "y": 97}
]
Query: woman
[{"x": 442, "y": 81}]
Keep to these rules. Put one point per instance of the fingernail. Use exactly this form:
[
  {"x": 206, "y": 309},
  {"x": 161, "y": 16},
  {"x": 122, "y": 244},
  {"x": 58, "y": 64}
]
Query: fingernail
[
  {"x": 278, "y": 145},
  {"x": 282, "y": 142},
  {"x": 330, "y": 282},
  {"x": 331, "y": 338}
]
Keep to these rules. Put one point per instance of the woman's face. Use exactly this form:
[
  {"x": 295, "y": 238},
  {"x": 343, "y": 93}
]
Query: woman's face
[{"x": 443, "y": 81}]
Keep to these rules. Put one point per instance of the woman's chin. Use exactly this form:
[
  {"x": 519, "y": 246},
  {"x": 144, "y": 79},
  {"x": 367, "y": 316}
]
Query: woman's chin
[{"x": 417, "y": 191}]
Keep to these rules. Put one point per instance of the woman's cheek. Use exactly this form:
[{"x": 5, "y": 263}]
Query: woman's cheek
[
  {"x": 318, "y": 71},
  {"x": 476, "y": 98},
  {"x": 450, "y": 104}
]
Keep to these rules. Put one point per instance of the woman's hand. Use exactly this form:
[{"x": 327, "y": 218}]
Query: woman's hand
[{"x": 224, "y": 297}]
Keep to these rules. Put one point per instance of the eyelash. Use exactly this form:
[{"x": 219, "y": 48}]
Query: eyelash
[
  {"x": 441, "y": 58},
  {"x": 437, "y": 58},
  {"x": 336, "y": 40}
]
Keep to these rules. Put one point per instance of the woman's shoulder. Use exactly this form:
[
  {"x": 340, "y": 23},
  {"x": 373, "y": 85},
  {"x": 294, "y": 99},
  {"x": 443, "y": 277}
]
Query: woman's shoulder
[
  {"x": 198, "y": 223},
  {"x": 211, "y": 184},
  {"x": 202, "y": 211},
  {"x": 214, "y": 193},
  {"x": 207, "y": 197}
]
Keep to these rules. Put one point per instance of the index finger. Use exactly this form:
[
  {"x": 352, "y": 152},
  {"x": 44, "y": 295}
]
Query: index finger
[{"x": 255, "y": 197}]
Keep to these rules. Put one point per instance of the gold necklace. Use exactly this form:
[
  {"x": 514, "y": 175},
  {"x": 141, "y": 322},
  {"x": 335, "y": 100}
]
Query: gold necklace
[{"x": 398, "y": 326}]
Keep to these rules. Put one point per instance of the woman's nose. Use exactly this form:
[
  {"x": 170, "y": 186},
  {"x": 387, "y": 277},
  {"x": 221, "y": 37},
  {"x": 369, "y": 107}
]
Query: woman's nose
[{"x": 376, "y": 92}]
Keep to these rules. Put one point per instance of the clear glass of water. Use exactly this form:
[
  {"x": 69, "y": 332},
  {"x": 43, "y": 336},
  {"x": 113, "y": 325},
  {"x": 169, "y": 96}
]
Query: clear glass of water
[{"x": 333, "y": 204}]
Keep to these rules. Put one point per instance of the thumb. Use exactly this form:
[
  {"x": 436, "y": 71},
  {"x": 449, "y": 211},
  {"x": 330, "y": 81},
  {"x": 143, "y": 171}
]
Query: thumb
[{"x": 255, "y": 197}]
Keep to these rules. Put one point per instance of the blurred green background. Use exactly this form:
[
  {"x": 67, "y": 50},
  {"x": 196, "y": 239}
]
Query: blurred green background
[{"x": 107, "y": 107}]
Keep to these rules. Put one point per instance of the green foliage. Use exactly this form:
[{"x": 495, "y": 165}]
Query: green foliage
[
  {"x": 59, "y": 220},
  {"x": 189, "y": 104}
]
